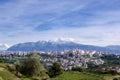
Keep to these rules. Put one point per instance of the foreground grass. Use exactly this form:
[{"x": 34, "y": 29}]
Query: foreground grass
[
  {"x": 110, "y": 77},
  {"x": 25, "y": 79},
  {"x": 5, "y": 74},
  {"x": 76, "y": 76}
]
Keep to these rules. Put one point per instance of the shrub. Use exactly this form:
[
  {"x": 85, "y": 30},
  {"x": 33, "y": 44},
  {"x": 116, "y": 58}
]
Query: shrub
[
  {"x": 77, "y": 69},
  {"x": 55, "y": 70},
  {"x": 30, "y": 67},
  {"x": 113, "y": 72},
  {"x": 11, "y": 68}
]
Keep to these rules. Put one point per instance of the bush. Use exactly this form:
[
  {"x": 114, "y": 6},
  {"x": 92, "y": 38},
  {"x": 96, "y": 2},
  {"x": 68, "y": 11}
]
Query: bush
[
  {"x": 99, "y": 71},
  {"x": 113, "y": 72},
  {"x": 55, "y": 70},
  {"x": 30, "y": 67},
  {"x": 11, "y": 68},
  {"x": 77, "y": 69}
]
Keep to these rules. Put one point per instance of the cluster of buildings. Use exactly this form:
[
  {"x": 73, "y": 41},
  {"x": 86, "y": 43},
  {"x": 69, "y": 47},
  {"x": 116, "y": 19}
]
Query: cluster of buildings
[
  {"x": 72, "y": 58},
  {"x": 13, "y": 55},
  {"x": 67, "y": 58}
]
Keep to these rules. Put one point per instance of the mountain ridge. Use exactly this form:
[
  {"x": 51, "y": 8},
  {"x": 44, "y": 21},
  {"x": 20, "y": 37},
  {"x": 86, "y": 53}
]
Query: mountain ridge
[{"x": 59, "y": 46}]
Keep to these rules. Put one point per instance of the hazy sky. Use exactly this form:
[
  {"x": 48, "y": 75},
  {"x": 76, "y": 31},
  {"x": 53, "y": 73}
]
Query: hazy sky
[{"x": 95, "y": 22}]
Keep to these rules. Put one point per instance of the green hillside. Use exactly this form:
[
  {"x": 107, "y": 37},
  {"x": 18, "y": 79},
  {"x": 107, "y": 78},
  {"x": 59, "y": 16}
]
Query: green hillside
[
  {"x": 76, "y": 76},
  {"x": 5, "y": 74}
]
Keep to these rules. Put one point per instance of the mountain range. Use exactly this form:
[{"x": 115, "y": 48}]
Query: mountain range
[{"x": 60, "y": 45}]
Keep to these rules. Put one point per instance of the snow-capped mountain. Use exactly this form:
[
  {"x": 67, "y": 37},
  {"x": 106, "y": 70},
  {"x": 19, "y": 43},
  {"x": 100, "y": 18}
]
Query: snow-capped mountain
[
  {"x": 43, "y": 45},
  {"x": 58, "y": 45},
  {"x": 3, "y": 47}
]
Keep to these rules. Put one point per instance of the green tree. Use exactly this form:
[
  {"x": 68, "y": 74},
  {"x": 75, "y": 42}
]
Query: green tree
[
  {"x": 55, "y": 70},
  {"x": 31, "y": 66}
]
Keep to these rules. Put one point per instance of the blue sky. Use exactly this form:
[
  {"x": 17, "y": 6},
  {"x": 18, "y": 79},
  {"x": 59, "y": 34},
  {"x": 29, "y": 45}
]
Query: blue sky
[{"x": 94, "y": 22}]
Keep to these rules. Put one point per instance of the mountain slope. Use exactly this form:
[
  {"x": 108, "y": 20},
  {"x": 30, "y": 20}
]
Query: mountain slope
[
  {"x": 114, "y": 47},
  {"x": 58, "y": 46}
]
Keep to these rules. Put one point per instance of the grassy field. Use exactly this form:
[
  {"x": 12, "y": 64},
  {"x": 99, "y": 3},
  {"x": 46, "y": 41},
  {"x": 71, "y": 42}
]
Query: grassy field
[
  {"x": 25, "y": 79},
  {"x": 5, "y": 74},
  {"x": 76, "y": 76},
  {"x": 109, "y": 77}
]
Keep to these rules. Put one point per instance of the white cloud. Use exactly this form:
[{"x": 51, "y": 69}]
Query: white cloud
[{"x": 19, "y": 18}]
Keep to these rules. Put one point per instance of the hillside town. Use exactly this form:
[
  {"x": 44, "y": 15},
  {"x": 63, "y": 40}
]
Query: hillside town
[
  {"x": 67, "y": 58},
  {"x": 71, "y": 58}
]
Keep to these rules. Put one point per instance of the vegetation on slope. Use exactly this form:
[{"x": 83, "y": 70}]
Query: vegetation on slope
[
  {"x": 5, "y": 74},
  {"x": 31, "y": 69},
  {"x": 76, "y": 76}
]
